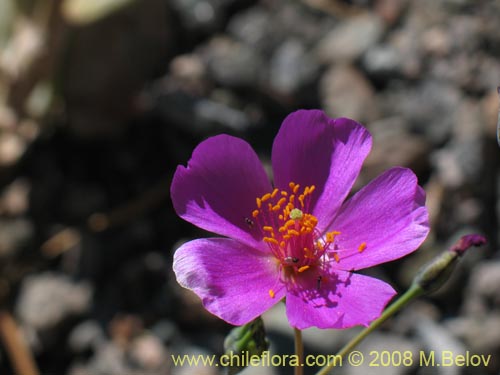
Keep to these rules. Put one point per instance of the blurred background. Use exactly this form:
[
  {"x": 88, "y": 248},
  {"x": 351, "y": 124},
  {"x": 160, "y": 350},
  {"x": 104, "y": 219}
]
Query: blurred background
[{"x": 101, "y": 99}]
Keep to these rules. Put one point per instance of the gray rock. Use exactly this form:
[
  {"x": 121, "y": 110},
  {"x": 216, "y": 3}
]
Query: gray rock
[
  {"x": 430, "y": 107},
  {"x": 395, "y": 144},
  {"x": 14, "y": 199},
  {"x": 166, "y": 331},
  {"x": 252, "y": 28},
  {"x": 148, "y": 353},
  {"x": 232, "y": 63},
  {"x": 266, "y": 26},
  {"x": 220, "y": 115},
  {"x": 291, "y": 67},
  {"x": 382, "y": 62},
  {"x": 199, "y": 14},
  {"x": 480, "y": 333},
  {"x": 345, "y": 92},
  {"x": 86, "y": 335},
  {"x": 482, "y": 290},
  {"x": 48, "y": 299},
  {"x": 12, "y": 147},
  {"x": 110, "y": 359},
  {"x": 14, "y": 233},
  {"x": 437, "y": 338},
  {"x": 461, "y": 160},
  {"x": 349, "y": 40}
]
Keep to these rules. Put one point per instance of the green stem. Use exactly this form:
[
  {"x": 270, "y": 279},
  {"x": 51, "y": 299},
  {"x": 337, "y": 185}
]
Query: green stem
[
  {"x": 299, "y": 351},
  {"x": 413, "y": 292}
]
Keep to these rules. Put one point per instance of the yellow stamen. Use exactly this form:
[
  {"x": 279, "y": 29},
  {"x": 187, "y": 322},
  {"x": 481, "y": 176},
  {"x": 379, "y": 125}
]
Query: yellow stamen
[
  {"x": 336, "y": 257},
  {"x": 266, "y": 197},
  {"x": 275, "y": 191},
  {"x": 271, "y": 293},
  {"x": 362, "y": 247},
  {"x": 259, "y": 202},
  {"x": 268, "y": 229},
  {"x": 255, "y": 213},
  {"x": 303, "y": 268},
  {"x": 271, "y": 240}
]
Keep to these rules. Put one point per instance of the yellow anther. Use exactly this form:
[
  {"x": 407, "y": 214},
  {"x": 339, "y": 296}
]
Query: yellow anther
[
  {"x": 291, "y": 185},
  {"x": 301, "y": 200},
  {"x": 282, "y": 244},
  {"x": 266, "y": 197},
  {"x": 275, "y": 191},
  {"x": 281, "y": 201},
  {"x": 255, "y": 213},
  {"x": 311, "y": 189},
  {"x": 271, "y": 240},
  {"x": 284, "y": 193},
  {"x": 268, "y": 229},
  {"x": 303, "y": 268},
  {"x": 271, "y": 293},
  {"x": 275, "y": 208},
  {"x": 336, "y": 257},
  {"x": 362, "y": 247},
  {"x": 259, "y": 202},
  {"x": 319, "y": 245},
  {"x": 295, "y": 189},
  {"x": 293, "y": 232},
  {"x": 291, "y": 198},
  {"x": 329, "y": 237}
]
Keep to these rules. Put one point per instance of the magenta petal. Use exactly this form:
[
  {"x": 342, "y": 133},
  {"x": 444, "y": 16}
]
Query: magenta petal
[
  {"x": 218, "y": 188},
  {"x": 342, "y": 300},
  {"x": 312, "y": 149},
  {"x": 388, "y": 215},
  {"x": 232, "y": 280}
]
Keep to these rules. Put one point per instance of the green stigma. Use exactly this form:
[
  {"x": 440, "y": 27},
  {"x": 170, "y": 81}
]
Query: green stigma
[{"x": 296, "y": 214}]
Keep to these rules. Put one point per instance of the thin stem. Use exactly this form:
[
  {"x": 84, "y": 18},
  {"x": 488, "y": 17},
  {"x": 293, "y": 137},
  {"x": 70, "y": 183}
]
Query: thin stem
[
  {"x": 19, "y": 354},
  {"x": 413, "y": 292},
  {"x": 299, "y": 351}
]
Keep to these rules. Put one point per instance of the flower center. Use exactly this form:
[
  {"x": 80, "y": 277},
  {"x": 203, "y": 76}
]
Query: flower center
[{"x": 290, "y": 230}]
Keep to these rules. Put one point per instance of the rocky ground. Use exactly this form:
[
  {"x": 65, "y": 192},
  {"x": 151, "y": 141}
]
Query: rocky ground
[{"x": 97, "y": 112}]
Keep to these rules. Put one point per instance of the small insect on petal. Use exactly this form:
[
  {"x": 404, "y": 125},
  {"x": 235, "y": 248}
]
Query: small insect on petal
[
  {"x": 291, "y": 260},
  {"x": 318, "y": 280}
]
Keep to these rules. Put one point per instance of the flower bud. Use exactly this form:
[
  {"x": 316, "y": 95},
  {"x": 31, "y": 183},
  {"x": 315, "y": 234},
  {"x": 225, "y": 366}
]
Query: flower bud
[
  {"x": 249, "y": 338},
  {"x": 433, "y": 275}
]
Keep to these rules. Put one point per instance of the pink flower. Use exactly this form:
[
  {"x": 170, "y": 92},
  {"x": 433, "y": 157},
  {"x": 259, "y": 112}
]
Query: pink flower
[{"x": 298, "y": 239}]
